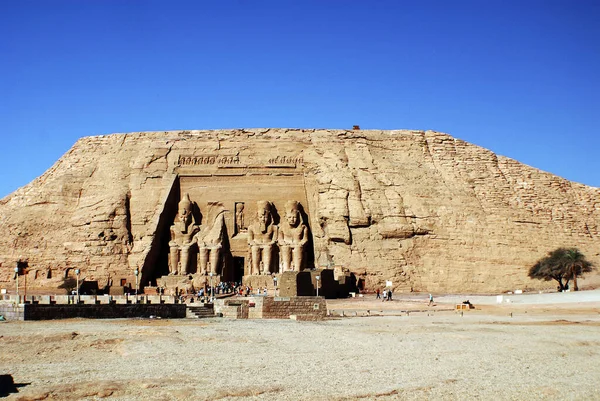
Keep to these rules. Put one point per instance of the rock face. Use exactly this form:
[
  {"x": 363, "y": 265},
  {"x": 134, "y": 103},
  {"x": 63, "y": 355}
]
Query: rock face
[{"x": 421, "y": 209}]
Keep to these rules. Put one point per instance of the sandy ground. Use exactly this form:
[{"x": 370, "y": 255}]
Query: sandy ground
[{"x": 522, "y": 350}]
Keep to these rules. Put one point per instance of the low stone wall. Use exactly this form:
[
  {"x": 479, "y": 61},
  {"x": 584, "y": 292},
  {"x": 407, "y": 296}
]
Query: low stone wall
[
  {"x": 10, "y": 311},
  {"x": 284, "y": 307},
  {"x": 236, "y": 308},
  {"x": 110, "y": 311},
  {"x": 302, "y": 308},
  {"x": 305, "y": 283},
  {"x": 94, "y": 299}
]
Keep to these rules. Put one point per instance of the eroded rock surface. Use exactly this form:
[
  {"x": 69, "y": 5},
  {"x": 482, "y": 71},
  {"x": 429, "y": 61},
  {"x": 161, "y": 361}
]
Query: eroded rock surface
[{"x": 422, "y": 209}]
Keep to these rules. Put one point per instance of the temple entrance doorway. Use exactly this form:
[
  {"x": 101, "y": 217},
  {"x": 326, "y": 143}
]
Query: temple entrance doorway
[{"x": 238, "y": 269}]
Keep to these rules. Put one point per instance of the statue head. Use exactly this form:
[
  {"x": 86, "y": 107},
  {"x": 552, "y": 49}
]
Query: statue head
[
  {"x": 292, "y": 213},
  {"x": 185, "y": 210},
  {"x": 263, "y": 211}
]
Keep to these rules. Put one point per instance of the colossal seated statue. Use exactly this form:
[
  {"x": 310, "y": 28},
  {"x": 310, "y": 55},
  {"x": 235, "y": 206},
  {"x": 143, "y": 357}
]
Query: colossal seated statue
[
  {"x": 262, "y": 236},
  {"x": 210, "y": 240},
  {"x": 182, "y": 233},
  {"x": 293, "y": 236}
]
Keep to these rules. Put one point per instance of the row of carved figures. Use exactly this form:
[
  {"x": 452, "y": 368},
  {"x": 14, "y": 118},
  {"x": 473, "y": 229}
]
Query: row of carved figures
[
  {"x": 264, "y": 239},
  {"x": 186, "y": 236}
]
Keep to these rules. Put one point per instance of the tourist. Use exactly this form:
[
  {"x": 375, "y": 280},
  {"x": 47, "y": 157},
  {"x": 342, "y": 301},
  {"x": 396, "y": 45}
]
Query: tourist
[
  {"x": 430, "y": 300},
  {"x": 378, "y": 294},
  {"x": 265, "y": 292},
  {"x": 390, "y": 294},
  {"x": 384, "y": 295}
]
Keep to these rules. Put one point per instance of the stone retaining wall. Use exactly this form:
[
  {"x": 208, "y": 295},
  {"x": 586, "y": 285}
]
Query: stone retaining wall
[
  {"x": 12, "y": 312},
  {"x": 302, "y": 308},
  {"x": 92, "y": 299},
  {"x": 113, "y": 311},
  {"x": 284, "y": 307}
]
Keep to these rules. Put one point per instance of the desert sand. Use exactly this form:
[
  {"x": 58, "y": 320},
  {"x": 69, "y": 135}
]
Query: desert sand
[{"x": 519, "y": 350}]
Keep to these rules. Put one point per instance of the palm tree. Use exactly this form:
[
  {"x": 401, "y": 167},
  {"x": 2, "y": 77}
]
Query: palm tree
[{"x": 575, "y": 265}]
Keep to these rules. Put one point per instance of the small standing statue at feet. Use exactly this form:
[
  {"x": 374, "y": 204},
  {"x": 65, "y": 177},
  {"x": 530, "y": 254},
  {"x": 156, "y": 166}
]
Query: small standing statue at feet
[
  {"x": 293, "y": 236},
  {"x": 239, "y": 218},
  {"x": 262, "y": 236},
  {"x": 182, "y": 232}
]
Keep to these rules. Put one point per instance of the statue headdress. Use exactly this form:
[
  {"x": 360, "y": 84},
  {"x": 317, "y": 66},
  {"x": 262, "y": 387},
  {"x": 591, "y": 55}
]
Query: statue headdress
[
  {"x": 266, "y": 205},
  {"x": 185, "y": 202},
  {"x": 294, "y": 205}
]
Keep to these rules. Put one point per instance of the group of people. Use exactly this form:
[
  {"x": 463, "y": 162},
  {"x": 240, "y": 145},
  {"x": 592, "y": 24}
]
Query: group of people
[
  {"x": 232, "y": 287},
  {"x": 205, "y": 294},
  {"x": 385, "y": 295},
  {"x": 248, "y": 290}
]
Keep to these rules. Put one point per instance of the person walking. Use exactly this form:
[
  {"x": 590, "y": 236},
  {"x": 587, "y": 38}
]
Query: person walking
[
  {"x": 378, "y": 294},
  {"x": 384, "y": 295},
  {"x": 430, "y": 300}
]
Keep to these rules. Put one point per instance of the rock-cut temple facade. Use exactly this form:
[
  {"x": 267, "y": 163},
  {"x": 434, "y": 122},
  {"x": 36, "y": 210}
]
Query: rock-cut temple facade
[{"x": 419, "y": 209}]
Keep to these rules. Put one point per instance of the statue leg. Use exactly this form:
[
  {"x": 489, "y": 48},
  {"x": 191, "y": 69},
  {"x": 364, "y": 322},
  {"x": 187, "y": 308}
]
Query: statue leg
[
  {"x": 248, "y": 263},
  {"x": 174, "y": 258},
  {"x": 267, "y": 252},
  {"x": 297, "y": 254},
  {"x": 185, "y": 257},
  {"x": 203, "y": 260},
  {"x": 215, "y": 253},
  {"x": 255, "y": 260},
  {"x": 286, "y": 257}
]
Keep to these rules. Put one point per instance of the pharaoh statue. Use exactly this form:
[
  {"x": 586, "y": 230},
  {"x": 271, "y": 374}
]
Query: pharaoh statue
[
  {"x": 239, "y": 218},
  {"x": 182, "y": 233},
  {"x": 210, "y": 240},
  {"x": 262, "y": 236},
  {"x": 293, "y": 236}
]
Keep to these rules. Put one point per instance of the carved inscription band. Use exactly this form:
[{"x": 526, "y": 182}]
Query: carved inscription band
[
  {"x": 207, "y": 160},
  {"x": 234, "y": 160}
]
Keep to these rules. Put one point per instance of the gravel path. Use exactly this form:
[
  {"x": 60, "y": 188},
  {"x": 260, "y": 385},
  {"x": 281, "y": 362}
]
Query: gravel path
[{"x": 484, "y": 354}]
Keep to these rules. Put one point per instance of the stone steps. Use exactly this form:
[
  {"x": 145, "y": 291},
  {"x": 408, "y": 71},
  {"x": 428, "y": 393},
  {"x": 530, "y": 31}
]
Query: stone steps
[{"x": 200, "y": 312}]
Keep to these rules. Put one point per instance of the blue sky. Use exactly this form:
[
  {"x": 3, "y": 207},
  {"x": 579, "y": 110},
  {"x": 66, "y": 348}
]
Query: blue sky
[{"x": 518, "y": 77}]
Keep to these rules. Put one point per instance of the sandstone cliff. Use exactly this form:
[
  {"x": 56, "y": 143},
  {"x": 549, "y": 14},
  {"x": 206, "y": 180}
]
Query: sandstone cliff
[{"x": 425, "y": 210}]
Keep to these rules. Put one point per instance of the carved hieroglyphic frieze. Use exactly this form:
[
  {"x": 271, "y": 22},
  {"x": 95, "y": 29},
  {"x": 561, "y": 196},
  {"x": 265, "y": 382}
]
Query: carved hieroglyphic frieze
[
  {"x": 209, "y": 160},
  {"x": 233, "y": 161},
  {"x": 285, "y": 161}
]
